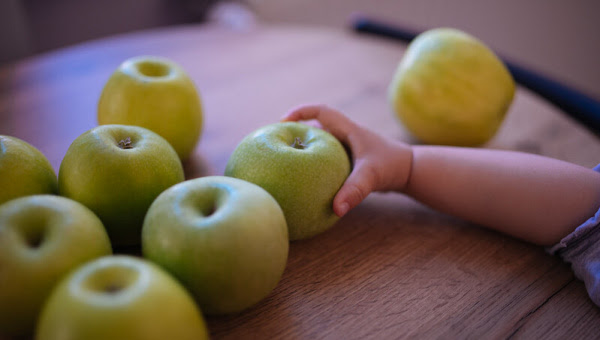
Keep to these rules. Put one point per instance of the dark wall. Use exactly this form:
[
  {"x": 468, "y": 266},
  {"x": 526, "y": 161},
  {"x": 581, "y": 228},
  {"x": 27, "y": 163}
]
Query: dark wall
[{"x": 29, "y": 27}]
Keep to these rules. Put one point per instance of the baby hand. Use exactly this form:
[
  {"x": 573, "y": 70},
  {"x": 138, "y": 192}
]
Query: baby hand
[{"x": 379, "y": 164}]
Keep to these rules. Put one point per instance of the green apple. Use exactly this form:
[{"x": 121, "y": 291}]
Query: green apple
[
  {"x": 117, "y": 171},
  {"x": 451, "y": 89},
  {"x": 157, "y": 94},
  {"x": 225, "y": 239},
  {"x": 24, "y": 170},
  {"x": 303, "y": 168},
  {"x": 120, "y": 297},
  {"x": 42, "y": 237}
]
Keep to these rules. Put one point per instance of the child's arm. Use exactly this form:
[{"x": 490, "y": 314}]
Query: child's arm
[
  {"x": 535, "y": 198},
  {"x": 531, "y": 197}
]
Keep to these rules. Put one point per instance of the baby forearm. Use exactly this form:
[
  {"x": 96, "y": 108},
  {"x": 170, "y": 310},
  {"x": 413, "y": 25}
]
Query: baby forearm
[{"x": 531, "y": 197}]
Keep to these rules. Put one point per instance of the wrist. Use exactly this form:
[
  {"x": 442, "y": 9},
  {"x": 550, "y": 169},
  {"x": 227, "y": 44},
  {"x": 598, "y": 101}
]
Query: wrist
[{"x": 400, "y": 166}]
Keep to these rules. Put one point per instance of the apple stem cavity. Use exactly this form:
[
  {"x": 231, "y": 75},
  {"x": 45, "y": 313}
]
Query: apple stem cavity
[
  {"x": 112, "y": 289},
  {"x": 35, "y": 240},
  {"x": 34, "y": 236},
  {"x": 153, "y": 69},
  {"x": 211, "y": 210},
  {"x": 298, "y": 144},
  {"x": 125, "y": 143}
]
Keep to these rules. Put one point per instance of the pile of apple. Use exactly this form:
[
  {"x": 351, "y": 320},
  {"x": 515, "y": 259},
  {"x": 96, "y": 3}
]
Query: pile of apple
[{"x": 211, "y": 245}]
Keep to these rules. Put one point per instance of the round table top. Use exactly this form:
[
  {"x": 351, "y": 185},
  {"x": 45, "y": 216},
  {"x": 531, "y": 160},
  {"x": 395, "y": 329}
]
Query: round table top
[{"x": 390, "y": 268}]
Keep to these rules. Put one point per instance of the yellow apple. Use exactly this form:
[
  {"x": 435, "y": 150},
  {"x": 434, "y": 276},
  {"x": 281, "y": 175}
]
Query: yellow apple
[
  {"x": 42, "y": 238},
  {"x": 120, "y": 297},
  {"x": 117, "y": 171},
  {"x": 450, "y": 88},
  {"x": 24, "y": 170},
  {"x": 157, "y": 94},
  {"x": 225, "y": 239}
]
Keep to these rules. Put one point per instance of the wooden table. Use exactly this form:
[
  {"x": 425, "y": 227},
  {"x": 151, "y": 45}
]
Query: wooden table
[{"x": 392, "y": 268}]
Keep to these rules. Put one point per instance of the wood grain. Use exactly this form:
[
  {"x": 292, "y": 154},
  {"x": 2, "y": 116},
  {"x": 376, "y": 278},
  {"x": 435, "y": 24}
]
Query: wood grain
[{"x": 392, "y": 268}]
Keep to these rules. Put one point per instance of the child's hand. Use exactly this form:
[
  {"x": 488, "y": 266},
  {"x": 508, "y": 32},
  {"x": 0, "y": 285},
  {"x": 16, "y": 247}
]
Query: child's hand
[{"x": 379, "y": 164}]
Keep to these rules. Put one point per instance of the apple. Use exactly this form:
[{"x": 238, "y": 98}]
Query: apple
[
  {"x": 303, "y": 167},
  {"x": 157, "y": 94},
  {"x": 225, "y": 239},
  {"x": 24, "y": 170},
  {"x": 42, "y": 237},
  {"x": 117, "y": 171},
  {"x": 120, "y": 297},
  {"x": 450, "y": 88}
]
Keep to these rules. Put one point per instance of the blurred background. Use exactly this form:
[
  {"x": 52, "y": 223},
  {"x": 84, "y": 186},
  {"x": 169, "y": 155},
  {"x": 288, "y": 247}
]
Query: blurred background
[{"x": 560, "y": 39}]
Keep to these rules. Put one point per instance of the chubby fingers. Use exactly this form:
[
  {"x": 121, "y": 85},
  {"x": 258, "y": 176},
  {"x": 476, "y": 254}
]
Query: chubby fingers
[
  {"x": 355, "y": 189},
  {"x": 332, "y": 120},
  {"x": 363, "y": 179}
]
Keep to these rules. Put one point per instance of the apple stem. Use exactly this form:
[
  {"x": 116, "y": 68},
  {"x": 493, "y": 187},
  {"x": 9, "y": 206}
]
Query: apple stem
[
  {"x": 125, "y": 143},
  {"x": 298, "y": 144}
]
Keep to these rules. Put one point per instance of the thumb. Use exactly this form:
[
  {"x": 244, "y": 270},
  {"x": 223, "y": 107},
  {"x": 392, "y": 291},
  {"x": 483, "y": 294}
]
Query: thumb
[{"x": 357, "y": 187}]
